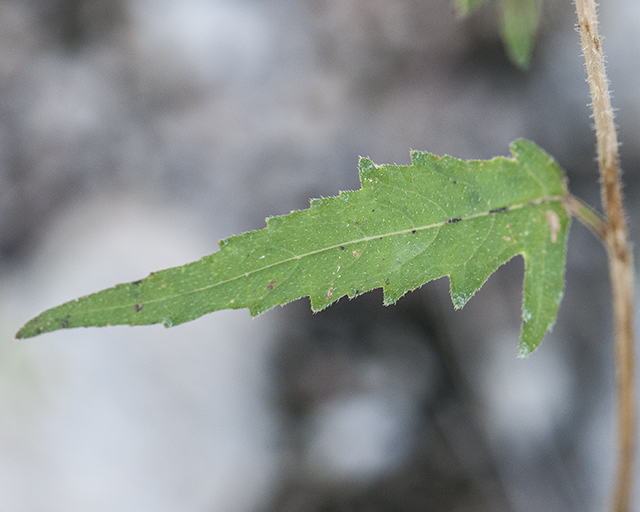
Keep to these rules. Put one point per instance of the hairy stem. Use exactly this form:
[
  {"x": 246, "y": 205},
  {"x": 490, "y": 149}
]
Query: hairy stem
[{"x": 616, "y": 240}]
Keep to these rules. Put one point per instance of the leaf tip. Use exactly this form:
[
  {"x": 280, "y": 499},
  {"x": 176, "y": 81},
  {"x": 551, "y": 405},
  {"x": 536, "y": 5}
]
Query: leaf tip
[
  {"x": 523, "y": 352},
  {"x": 528, "y": 346},
  {"x": 529, "y": 341},
  {"x": 520, "y": 146},
  {"x": 459, "y": 299},
  {"x": 522, "y": 59},
  {"x": 21, "y": 334},
  {"x": 36, "y": 327},
  {"x": 366, "y": 167},
  {"x": 532, "y": 335},
  {"x": 460, "y": 291}
]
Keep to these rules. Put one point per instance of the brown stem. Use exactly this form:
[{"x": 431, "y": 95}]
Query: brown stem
[{"x": 616, "y": 240}]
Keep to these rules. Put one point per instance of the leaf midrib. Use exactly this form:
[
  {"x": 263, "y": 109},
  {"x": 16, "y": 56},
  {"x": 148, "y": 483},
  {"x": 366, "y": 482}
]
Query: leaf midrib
[{"x": 534, "y": 202}]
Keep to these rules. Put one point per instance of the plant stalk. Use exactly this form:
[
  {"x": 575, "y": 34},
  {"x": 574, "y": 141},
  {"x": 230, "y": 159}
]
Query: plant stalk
[
  {"x": 618, "y": 249},
  {"x": 587, "y": 215}
]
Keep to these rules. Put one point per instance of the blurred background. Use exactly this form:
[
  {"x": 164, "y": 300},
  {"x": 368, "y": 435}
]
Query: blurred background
[{"x": 134, "y": 134}]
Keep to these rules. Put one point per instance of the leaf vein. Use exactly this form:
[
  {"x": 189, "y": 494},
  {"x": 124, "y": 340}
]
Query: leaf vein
[{"x": 335, "y": 246}]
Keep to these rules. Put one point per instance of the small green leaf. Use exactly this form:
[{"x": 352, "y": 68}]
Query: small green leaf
[
  {"x": 519, "y": 24},
  {"x": 407, "y": 225}
]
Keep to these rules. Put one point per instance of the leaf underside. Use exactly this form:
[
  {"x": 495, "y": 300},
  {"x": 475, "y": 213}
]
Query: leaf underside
[{"x": 406, "y": 226}]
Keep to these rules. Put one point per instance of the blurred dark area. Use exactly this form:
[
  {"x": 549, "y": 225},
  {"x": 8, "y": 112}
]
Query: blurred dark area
[{"x": 136, "y": 133}]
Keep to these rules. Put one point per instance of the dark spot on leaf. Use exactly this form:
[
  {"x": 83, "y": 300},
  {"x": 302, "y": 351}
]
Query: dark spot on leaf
[
  {"x": 413, "y": 231},
  {"x": 372, "y": 211},
  {"x": 499, "y": 210},
  {"x": 272, "y": 284},
  {"x": 342, "y": 247},
  {"x": 357, "y": 223},
  {"x": 137, "y": 282},
  {"x": 64, "y": 323},
  {"x": 357, "y": 292},
  {"x": 452, "y": 221},
  {"x": 455, "y": 182},
  {"x": 386, "y": 282},
  {"x": 138, "y": 307}
]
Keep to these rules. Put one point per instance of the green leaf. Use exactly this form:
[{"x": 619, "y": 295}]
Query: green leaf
[
  {"x": 519, "y": 25},
  {"x": 407, "y": 225}
]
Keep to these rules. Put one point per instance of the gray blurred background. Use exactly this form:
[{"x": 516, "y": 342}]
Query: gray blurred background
[{"x": 136, "y": 133}]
